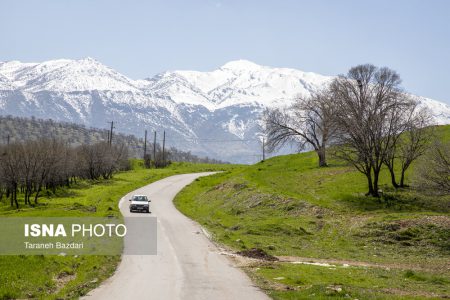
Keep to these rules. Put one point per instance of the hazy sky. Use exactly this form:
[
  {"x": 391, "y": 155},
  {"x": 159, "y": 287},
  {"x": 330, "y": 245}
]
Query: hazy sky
[{"x": 142, "y": 38}]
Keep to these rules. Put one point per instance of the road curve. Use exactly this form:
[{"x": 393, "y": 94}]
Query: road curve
[{"x": 187, "y": 264}]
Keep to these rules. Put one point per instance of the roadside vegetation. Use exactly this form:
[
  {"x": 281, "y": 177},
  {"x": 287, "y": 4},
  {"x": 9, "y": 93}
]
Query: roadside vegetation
[
  {"x": 65, "y": 277},
  {"x": 330, "y": 238}
]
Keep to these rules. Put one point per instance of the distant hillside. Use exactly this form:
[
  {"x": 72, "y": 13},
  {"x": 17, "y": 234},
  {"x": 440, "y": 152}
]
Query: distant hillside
[{"x": 16, "y": 129}]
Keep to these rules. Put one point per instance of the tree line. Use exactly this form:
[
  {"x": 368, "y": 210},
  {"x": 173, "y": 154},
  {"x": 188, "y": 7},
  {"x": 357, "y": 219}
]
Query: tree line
[
  {"x": 367, "y": 118},
  {"x": 33, "y": 166},
  {"x": 176, "y": 155},
  {"x": 20, "y": 129}
]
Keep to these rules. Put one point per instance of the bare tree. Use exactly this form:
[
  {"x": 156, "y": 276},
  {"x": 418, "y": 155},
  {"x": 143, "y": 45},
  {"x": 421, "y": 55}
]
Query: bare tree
[
  {"x": 31, "y": 166},
  {"x": 10, "y": 170},
  {"x": 52, "y": 155},
  {"x": 101, "y": 160},
  {"x": 369, "y": 103},
  {"x": 410, "y": 142},
  {"x": 309, "y": 121},
  {"x": 434, "y": 171}
]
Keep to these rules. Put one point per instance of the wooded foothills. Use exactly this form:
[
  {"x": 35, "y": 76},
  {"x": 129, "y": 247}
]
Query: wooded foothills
[
  {"x": 19, "y": 129},
  {"x": 38, "y": 155}
]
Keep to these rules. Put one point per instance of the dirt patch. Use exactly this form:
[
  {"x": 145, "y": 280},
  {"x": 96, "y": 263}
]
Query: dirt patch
[
  {"x": 81, "y": 207},
  {"x": 240, "y": 186},
  {"x": 220, "y": 187},
  {"x": 334, "y": 172},
  {"x": 61, "y": 280},
  {"x": 431, "y": 232},
  {"x": 237, "y": 186},
  {"x": 243, "y": 261},
  {"x": 298, "y": 208},
  {"x": 254, "y": 200},
  {"x": 347, "y": 263},
  {"x": 258, "y": 254},
  {"x": 439, "y": 221},
  {"x": 415, "y": 293}
]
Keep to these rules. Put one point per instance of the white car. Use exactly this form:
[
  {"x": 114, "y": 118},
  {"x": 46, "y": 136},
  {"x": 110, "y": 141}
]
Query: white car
[{"x": 139, "y": 203}]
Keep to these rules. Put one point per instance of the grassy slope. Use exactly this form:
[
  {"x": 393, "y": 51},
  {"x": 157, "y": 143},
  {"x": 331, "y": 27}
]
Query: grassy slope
[
  {"x": 55, "y": 277},
  {"x": 289, "y": 207}
]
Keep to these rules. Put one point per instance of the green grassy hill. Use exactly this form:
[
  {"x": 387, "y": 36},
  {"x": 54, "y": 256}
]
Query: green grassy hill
[
  {"x": 397, "y": 247},
  {"x": 68, "y": 277}
]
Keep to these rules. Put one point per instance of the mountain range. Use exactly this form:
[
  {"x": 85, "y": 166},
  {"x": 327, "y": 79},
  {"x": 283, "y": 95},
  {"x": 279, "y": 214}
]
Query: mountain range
[{"x": 215, "y": 114}]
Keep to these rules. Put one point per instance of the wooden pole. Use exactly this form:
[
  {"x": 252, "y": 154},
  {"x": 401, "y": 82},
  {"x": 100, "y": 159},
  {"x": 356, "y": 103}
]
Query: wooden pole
[
  {"x": 164, "y": 148},
  {"x": 154, "y": 147},
  {"x": 145, "y": 144},
  {"x": 264, "y": 148},
  {"x": 111, "y": 133}
]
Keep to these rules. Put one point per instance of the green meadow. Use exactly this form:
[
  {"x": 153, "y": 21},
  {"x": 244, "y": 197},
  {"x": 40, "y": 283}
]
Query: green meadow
[
  {"x": 345, "y": 245},
  {"x": 396, "y": 247},
  {"x": 64, "y": 277}
]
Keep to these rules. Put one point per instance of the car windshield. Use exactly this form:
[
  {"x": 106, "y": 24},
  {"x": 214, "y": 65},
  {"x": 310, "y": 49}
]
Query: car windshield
[{"x": 139, "y": 198}]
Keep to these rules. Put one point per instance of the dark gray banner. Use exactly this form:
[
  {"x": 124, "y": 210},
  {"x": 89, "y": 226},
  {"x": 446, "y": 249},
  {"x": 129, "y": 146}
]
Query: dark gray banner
[{"x": 77, "y": 236}]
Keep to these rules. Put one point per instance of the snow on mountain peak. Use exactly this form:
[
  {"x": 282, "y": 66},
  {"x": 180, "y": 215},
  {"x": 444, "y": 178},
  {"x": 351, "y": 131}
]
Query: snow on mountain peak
[
  {"x": 241, "y": 64},
  {"x": 88, "y": 59},
  {"x": 66, "y": 75},
  {"x": 225, "y": 103}
]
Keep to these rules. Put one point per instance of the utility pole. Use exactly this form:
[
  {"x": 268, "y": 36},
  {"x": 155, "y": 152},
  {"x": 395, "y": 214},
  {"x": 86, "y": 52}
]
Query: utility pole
[
  {"x": 145, "y": 145},
  {"x": 111, "y": 133},
  {"x": 164, "y": 148},
  {"x": 154, "y": 147},
  {"x": 264, "y": 148}
]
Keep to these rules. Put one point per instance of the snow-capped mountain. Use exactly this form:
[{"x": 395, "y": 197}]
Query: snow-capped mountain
[{"x": 210, "y": 113}]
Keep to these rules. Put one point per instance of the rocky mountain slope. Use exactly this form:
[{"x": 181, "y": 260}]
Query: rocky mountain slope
[{"x": 214, "y": 114}]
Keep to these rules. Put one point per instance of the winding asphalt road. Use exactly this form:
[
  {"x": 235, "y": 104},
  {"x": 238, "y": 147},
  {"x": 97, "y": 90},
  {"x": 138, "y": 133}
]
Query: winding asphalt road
[{"x": 187, "y": 265}]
